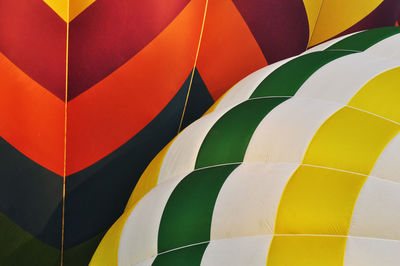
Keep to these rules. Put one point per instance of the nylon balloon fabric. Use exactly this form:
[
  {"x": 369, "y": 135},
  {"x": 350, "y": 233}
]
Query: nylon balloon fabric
[
  {"x": 297, "y": 164},
  {"x": 92, "y": 90}
]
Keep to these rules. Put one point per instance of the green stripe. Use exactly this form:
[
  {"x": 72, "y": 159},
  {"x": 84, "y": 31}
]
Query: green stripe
[
  {"x": 288, "y": 78},
  {"x": 365, "y": 39},
  {"x": 189, "y": 256},
  {"x": 227, "y": 140},
  {"x": 186, "y": 219}
]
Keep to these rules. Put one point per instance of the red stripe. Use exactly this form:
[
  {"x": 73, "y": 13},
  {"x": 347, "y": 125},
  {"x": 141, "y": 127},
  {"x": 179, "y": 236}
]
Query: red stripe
[
  {"x": 117, "y": 108},
  {"x": 33, "y": 37},
  {"x": 109, "y": 33}
]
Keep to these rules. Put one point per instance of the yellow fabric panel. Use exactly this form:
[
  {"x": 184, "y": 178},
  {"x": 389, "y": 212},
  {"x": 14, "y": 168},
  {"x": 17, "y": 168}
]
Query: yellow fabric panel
[
  {"x": 318, "y": 201},
  {"x": 149, "y": 178},
  {"x": 338, "y": 15},
  {"x": 380, "y": 95},
  {"x": 306, "y": 251},
  {"x": 350, "y": 140},
  {"x": 107, "y": 251},
  {"x": 75, "y": 7},
  {"x": 312, "y": 8}
]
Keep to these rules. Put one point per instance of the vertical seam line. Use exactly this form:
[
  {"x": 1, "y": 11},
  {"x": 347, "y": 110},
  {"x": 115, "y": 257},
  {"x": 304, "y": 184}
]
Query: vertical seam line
[
  {"x": 194, "y": 67},
  {"x": 65, "y": 138}
]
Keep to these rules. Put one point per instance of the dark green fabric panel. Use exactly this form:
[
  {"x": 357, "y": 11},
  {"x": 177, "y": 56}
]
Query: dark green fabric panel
[
  {"x": 365, "y": 39},
  {"x": 186, "y": 219},
  {"x": 227, "y": 140},
  {"x": 20, "y": 248},
  {"x": 189, "y": 256},
  {"x": 288, "y": 78}
]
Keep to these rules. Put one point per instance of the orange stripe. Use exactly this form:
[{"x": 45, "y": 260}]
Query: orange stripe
[
  {"x": 31, "y": 118},
  {"x": 111, "y": 112},
  {"x": 228, "y": 51}
]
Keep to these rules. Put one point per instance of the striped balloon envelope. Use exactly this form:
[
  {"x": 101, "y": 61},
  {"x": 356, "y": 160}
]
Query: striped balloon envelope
[
  {"x": 297, "y": 164},
  {"x": 92, "y": 90}
]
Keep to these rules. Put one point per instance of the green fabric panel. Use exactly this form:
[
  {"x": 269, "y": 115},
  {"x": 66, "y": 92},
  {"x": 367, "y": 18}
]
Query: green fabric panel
[
  {"x": 20, "y": 248},
  {"x": 82, "y": 253},
  {"x": 365, "y": 39},
  {"x": 186, "y": 219},
  {"x": 227, "y": 140},
  {"x": 189, "y": 256},
  {"x": 288, "y": 78}
]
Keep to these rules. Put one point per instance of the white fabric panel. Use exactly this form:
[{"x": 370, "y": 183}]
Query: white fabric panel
[
  {"x": 325, "y": 45},
  {"x": 342, "y": 78},
  {"x": 253, "y": 191},
  {"x": 371, "y": 252},
  {"x": 244, "y": 88},
  {"x": 284, "y": 134},
  {"x": 147, "y": 262},
  {"x": 181, "y": 156},
  {"x": 139, "y": 237},
  {"x": 377, "y": 211},
  {"x": 388, "y": 48},
  {"x": 246, "y": 251},
  {"x": 388, "y": 164}
]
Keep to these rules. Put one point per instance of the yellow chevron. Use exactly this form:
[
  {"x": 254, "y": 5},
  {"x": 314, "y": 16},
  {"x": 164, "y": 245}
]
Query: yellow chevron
[{"x": 73, "y": 7}]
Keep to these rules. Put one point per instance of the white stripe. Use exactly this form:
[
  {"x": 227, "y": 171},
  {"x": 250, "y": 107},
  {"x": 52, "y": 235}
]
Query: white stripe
[
  {"x": 377, "y": 210},
  {"x": 247, "y": 251},
  {"x": 388, "y": 164},
  {"x": 285, "y": 133},
  {"x": 371, "y": 252},
  {"x": 140, "y": 234},
  {"x": 342, "y": 78},
  {"x": 388, "y": 48},
  {"x": 248, "y": 200},
  {"x": 325, "y": 45},
  {"x": 181, "y": 156}
]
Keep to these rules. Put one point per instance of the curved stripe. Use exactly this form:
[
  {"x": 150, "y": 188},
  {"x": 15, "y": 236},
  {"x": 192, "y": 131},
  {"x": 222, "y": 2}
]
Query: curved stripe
[
  {"x": 354, "y": 140},
  {"x": 117, "y": 174},
  {"x": 34, "y": 38},
  {"x": 31, "y": 118},
  {"x": 380, "y": 95},
  {"x": 109, "y": 33},
  {"x": 288, "y": 78},
  {"x": 306, "y": 251},
  {"x": 134, "y": 94},
  {"x": 330, "y": 24},
  {"x": 185, "y": 256},
  {"x": 363, "y": 40},
  {"x": 187, "y": 215},
  {"x": 227, "y": 140}
]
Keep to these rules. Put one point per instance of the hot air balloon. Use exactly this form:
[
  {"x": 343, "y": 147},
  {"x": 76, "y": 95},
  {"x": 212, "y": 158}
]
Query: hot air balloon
[
  {"x": 297, "y": 164},
  {"x": 92, "y": 90}
]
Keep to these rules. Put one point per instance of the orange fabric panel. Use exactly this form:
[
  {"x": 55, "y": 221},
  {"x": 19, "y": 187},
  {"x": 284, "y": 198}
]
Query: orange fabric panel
[
  {"x": 31, "y": 118},
  {"x": 114, "y": 110},
  {"x": 228, "y": 50}
]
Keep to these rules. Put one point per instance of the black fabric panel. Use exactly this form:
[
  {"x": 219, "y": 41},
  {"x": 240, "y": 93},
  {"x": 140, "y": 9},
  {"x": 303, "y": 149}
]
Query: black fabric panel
[
  {"x": 29, "y": 195},
  {"x": 198, "y": 102},
  {"x": 97, "y": 195}
]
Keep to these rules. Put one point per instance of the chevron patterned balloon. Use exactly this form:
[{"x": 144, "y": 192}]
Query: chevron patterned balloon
[
  {"x": 297, "y": 164},
  {"x": 92, "y": 90}
]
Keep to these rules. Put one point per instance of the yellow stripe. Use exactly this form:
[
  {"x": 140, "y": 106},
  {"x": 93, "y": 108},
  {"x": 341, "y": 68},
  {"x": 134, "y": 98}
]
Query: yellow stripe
[
  {"x": 338, "y": 15},
  {"x": 149, "y": 178},
  {"x": 350, "y": 140},
  {"x": 318, "y": 201},
  {"x": 306, "y": 251},
  {"x": 75, "y": 7},
  {"x": 381, "y": 95}
]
